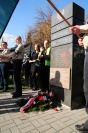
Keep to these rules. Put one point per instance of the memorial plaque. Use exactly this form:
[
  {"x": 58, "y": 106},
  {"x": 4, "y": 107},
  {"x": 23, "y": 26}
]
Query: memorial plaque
[{"x": 60, "y": 77}]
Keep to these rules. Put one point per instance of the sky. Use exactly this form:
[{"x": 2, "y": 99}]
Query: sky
[{"x": 24, "y": 16}]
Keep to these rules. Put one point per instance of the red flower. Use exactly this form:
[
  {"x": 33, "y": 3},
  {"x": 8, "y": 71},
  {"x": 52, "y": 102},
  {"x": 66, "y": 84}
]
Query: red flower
[{"x": 40, "y": 98}]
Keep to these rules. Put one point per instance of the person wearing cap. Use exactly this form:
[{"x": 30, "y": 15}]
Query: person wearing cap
[{"x": 83, "y": 41}]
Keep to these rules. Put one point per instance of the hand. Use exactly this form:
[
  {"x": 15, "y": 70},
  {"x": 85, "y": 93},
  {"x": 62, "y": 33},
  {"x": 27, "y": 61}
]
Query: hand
[
  {"x": 10, "y": 55},
  {"x": 40, "y": 56},
  {"x": 75, "y": 29},
  {"x": 4, "y": 56},
  {"x": 31, "y": 61}
]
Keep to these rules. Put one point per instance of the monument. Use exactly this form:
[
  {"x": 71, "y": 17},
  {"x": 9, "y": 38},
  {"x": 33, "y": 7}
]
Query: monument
[{"x": 67, "y": 58}]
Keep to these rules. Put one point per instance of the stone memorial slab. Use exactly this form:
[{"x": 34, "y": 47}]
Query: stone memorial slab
[
  {"x": 72, "y": 10},
  {"x": 61, "y": 41},
  {"x": 60, "y": 77},
  {"x": 61, "y": 33},
  {"x": 63, "y": 24}
]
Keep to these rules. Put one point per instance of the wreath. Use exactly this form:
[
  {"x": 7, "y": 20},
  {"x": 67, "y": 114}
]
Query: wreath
[{"x": 37, "y": 101}]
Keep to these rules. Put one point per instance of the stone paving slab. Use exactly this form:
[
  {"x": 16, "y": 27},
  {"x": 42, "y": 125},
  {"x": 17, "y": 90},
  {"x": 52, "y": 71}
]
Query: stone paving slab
[{"x": 51, "y": 121}]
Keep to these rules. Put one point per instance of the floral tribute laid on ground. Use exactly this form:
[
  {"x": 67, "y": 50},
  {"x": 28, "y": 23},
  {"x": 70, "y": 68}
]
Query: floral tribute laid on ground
[{"x": 38, "y": 101}]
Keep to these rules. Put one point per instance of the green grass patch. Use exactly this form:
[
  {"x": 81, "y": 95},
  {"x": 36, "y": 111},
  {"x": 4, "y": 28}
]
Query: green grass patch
[{"x": 11, "y": 85}]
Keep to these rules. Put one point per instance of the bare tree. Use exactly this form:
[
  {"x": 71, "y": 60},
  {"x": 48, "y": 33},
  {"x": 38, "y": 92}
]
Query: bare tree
[
  {"x": 41, "y": 29},
  {"x": 44, "y": 15}
]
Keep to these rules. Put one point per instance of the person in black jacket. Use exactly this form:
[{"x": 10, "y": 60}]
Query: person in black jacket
[
  {"x": 34, "y": 68},
  {"x": 27, "y": 65},
  {"x": 42, "y": 68}
]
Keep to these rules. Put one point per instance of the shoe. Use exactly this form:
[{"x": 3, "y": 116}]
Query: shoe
[
  {"x": 16, "y": 95},
  {"x": 81, "y": 128}
]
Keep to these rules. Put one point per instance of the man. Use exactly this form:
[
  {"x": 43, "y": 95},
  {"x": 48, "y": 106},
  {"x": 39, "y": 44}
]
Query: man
[
  {"x": 83, "y": 42},
  {"x": 4, "y": 64},
  {"x": 47, "y": 63},
  {"x": 17, "y": 57}
]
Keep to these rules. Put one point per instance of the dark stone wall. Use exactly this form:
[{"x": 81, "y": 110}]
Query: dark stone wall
[{"x": 66, "y": 53}]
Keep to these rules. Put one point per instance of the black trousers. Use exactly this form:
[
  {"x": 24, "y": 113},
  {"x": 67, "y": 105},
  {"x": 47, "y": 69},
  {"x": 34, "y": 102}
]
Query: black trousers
[
  {"x": 47, "y": 76},
  {"x": 33, "y": 81},
  {"x": 17, "y": 64},
  {"x": 27, "y": 68},
  {"x": 42, "y": 77}
]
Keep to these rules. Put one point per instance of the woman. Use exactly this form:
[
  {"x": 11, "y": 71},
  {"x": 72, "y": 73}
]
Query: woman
[{"x": 34, "y": 68}]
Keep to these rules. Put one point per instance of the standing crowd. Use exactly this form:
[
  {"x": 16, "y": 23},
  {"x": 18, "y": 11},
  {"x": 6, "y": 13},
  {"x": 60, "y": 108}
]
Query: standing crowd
[{"x": 36, "y": 68}]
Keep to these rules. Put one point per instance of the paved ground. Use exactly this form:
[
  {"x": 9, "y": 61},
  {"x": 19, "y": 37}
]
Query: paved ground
[{"x": 12, "y": 121}]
